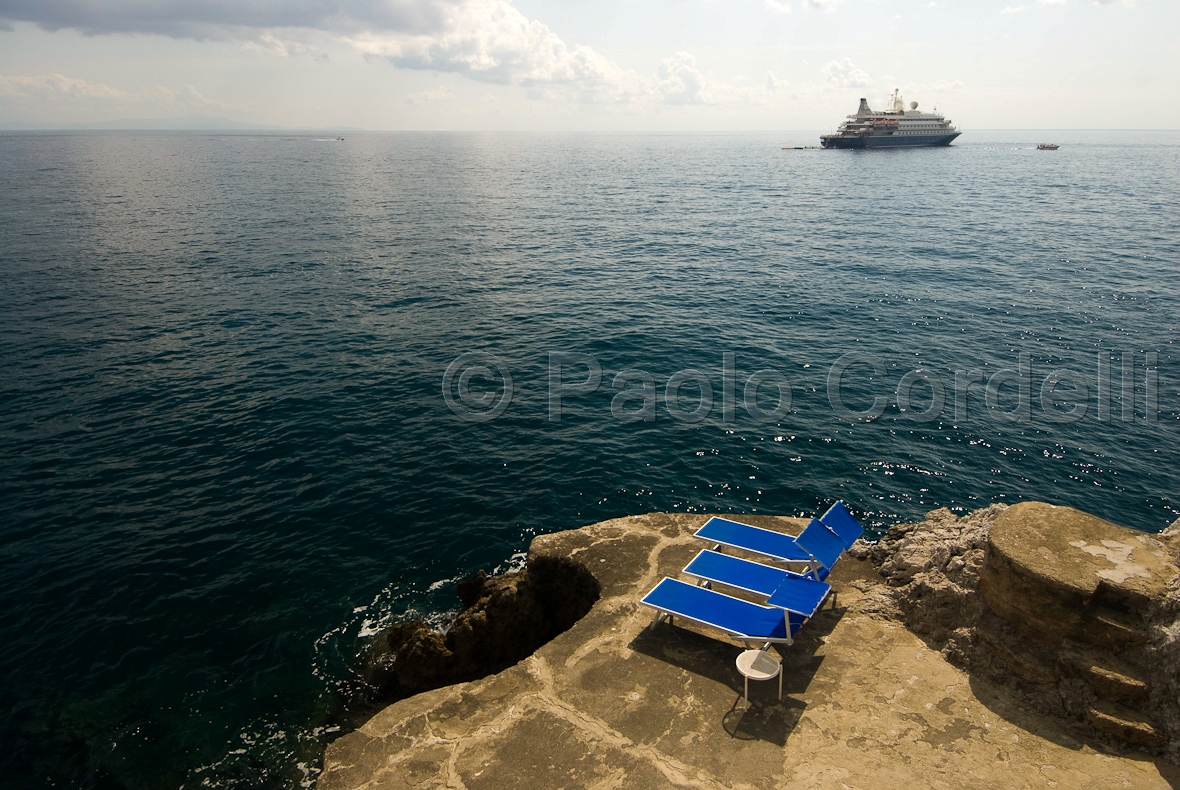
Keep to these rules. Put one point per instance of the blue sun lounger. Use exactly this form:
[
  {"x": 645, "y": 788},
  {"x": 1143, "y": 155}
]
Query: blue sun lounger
[
  {"x": 794, "y": 592},
  {"x": 791, "y": 598},
  {"x": 776, "y": 545},
  {"x": 837, "y": 523},
  {"x": 840, "y": 521},
  {"x": 745, "y": 621}
]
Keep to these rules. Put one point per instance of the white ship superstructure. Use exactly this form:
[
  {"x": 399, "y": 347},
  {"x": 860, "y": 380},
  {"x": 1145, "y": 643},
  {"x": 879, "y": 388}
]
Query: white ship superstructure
[{"x": 892, "y": 128}]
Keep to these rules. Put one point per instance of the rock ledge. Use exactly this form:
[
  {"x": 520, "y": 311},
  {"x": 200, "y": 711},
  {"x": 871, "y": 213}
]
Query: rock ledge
[{"x": 867, "y": 701}]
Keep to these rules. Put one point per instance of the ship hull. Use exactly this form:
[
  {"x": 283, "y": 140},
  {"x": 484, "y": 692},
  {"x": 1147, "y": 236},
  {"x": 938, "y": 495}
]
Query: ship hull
[{"x": 887, "y": 140}]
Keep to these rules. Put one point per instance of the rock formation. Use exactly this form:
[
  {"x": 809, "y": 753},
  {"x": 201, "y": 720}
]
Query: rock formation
[
  {"x": 503, "y": 620},
  {"x": 1073, "y": 614},
  {"x": 876, "y": 694}
]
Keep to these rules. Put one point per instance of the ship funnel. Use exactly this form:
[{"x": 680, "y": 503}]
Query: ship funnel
[{"x": 864, "y": 108}]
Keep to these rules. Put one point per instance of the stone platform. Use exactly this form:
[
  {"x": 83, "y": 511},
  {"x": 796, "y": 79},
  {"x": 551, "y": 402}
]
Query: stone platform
[
  {"x": 613, "y": 703},
  {"x": 1070, "y": 606},
  {"x": 1048, "y": 567}
]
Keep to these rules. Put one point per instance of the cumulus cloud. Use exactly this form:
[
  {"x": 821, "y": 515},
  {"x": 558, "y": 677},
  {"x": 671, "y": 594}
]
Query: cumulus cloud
[
  {"x": 485, "y": 40},
  {"x": 679, "y": 81},
  {"x": 822, "y": 5},
  {"x": 844, "y": 73},
  {"x": 777, "y": 7},
  {"x": 491, "y": 41}
]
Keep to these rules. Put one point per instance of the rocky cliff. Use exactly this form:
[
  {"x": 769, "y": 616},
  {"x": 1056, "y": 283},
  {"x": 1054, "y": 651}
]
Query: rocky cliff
[
  {"x": 1073, "y": 615},
  {"x": 890, "y": 686}
]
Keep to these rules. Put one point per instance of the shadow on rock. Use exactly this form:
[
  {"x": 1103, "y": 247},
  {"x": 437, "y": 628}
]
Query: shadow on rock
[
  {"x": 766, "y": 718},
  {"x": 1022, "y": 703},
  {"x": 504, "y": 619},
  {"x": 770, "y": 721}
]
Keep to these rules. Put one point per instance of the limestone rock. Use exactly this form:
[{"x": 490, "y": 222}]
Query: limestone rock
[
  {"x": 615, "y": 702},
  {"x": 1067, "y": 611},
  {"x": 933, "y": 567},
  {"x": 504, "y": 619},
  {"x": 1048, "y": 565}
]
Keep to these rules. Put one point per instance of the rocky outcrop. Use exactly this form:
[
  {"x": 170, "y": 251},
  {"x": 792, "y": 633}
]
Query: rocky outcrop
[
  {"x": 617, "y": 702},
  {"x": 1072, "y": 614},
  {"x": 1161, "y": 652},
  {"x": 933, "y": 570},
  {"x": 503, "y": 620}
]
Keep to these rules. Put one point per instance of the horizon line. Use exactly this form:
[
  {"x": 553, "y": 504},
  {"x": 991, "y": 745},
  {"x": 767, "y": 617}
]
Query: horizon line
[{"x": 265, "y": 129}]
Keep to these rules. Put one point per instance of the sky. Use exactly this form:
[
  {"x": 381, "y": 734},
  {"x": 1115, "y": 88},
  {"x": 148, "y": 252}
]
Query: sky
[{"x": 590, "y": 65}]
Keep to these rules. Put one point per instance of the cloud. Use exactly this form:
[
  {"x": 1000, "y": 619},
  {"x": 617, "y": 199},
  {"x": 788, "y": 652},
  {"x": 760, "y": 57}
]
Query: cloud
[
  {"x": 270, "y": 44},
  {"x": 46, "y": 89},
  {"x": 50, "y": 87},
  {"x": 843, "y": 73},
  {"x": 228, "y": 18},
  {"x": 488, "y": 41},
  {"x": 1018, "y": 9},
  {"x": 438, "y": 94},
  {"x": 679, "y": 81},
  {"x": 941, "y": 86},
  {"x": 822, "y": 5},
  {"x": 491, "y": 41},
  {"x": 184, "y": 98},
  {"x": 777, "y": 7},
  {"x": 485, "y": 40}
]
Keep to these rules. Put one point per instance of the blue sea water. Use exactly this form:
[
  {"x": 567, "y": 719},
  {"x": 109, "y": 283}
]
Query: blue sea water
[{"x": 227, "y": 459}]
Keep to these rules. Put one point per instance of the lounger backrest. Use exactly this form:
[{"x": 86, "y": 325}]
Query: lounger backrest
[
  {"x": 820, "y": 542},
  {"x": 734, "y": 615},
  {"x": 843, "y": 524}
]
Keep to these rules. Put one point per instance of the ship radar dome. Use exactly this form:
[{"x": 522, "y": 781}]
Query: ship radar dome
[{"x": 913, "y": 105}]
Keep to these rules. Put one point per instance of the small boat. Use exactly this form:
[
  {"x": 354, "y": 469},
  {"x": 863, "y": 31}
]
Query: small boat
[{"x": 1048, "y": 147}]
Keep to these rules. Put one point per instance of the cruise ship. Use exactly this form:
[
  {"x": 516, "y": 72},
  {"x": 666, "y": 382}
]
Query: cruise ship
[{"x": 892, "y": 128}]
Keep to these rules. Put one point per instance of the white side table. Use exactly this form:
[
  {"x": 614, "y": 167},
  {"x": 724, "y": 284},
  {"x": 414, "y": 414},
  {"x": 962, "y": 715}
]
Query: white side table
[{"x": 759, "y": 665}]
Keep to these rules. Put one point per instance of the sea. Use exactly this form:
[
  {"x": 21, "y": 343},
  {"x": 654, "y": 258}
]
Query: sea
[{"x": 264, "y": 394}]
